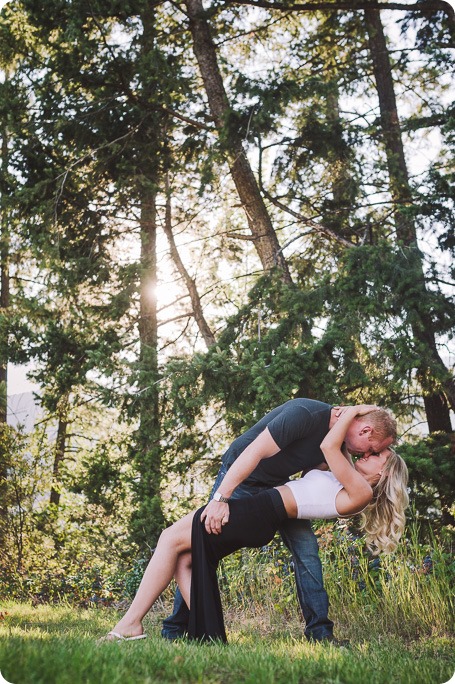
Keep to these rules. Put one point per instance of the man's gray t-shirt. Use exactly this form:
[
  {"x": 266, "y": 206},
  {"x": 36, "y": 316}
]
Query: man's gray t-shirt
[{"x": 298, "y": 427}]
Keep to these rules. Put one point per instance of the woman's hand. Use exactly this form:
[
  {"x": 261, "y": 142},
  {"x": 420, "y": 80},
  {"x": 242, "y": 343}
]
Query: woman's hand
[{"x": 358, "y": 410}]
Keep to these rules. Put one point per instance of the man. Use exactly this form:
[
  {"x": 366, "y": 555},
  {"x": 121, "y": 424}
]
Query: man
[{"x": 285, "y": 442}]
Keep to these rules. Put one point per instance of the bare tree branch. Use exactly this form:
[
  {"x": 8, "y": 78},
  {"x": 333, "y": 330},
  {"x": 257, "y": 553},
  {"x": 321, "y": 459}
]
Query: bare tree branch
[
  {"x": 323, "y": 230},
  {"x": 204, "y": 328}
]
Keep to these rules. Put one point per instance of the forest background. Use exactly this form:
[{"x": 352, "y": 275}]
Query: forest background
[{"x": 206, "y": 211}]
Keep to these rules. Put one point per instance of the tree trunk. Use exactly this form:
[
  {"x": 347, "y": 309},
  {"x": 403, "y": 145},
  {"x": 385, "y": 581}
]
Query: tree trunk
[
  {"x": 147, "y": 521},
  {"x": 259, "y": 222},
  {"x": 59, "y": 456},
  {"x": 343, "y": 184},
  {"x": 198, "y": 313},
  {"x": 4, "y": 286},
  {"x": 437, "y": 404}
]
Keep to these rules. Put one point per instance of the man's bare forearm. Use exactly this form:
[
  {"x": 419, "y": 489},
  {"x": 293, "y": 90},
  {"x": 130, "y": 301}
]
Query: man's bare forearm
[
  {"x": 262, "y": 447},
  {"x": 216, "y": 513}
]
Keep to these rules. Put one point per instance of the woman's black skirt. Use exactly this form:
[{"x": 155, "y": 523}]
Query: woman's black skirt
[{"x": 253, "y": 522}]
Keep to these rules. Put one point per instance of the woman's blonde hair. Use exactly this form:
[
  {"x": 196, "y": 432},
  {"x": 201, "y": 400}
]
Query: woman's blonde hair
[{"x": 383, "y": 520}]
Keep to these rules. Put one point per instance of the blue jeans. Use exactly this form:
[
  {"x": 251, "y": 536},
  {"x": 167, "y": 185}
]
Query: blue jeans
[{"x": 302, "y": 543}]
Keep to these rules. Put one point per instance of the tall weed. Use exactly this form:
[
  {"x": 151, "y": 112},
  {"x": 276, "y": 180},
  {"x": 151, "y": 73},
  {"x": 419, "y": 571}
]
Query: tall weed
[{"x": 408, "y": 594}]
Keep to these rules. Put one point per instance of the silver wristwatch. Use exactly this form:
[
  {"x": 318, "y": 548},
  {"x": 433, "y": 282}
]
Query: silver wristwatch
[{"x": 219, "y": 497}]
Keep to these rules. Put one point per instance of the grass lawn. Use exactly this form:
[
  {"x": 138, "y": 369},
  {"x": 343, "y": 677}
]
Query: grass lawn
[{"x": 57, "y": 645}]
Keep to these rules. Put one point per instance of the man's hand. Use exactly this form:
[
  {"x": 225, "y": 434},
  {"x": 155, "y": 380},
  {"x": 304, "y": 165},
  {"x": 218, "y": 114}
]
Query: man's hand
[{"x": 215, "y": 514}]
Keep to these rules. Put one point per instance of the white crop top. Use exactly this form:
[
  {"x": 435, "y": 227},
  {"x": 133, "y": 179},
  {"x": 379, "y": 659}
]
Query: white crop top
[{"x": 315, "y": 494}]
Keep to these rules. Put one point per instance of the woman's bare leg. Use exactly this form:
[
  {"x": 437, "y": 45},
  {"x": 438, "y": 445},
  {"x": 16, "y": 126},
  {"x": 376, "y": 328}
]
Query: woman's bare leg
[
  {"x": 173, "y": 542},
  {"x": 182, "y": 575}
]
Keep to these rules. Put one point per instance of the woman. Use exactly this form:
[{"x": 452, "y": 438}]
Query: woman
[{"x": 375, "y": 486}]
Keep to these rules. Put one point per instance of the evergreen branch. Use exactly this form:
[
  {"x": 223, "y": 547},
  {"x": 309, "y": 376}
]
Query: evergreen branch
[
  {"x": 88, "y": 155},
  {"x": 427, "y": 6},
  {"x": 416, "y": 123},
  {"x": 172, "y": 342},
  {"x": 307, "y": 221},
  {"x": 314, "y": 225},
  {"x": 133, "y": 96},
  {"x": 242, "y": 236},
  {"x": 185, "y": 119}
]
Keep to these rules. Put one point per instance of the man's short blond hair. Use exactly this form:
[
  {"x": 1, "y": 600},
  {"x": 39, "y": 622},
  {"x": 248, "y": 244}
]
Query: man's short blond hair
[{"x": 382, "y": 421}]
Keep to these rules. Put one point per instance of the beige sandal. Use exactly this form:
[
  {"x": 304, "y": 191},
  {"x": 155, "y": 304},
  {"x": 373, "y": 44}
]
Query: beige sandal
[{"x": 120, "y": 637}]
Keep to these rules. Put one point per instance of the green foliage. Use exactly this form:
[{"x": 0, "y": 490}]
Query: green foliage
[
  {"x": 147, "y": 520},
  {"x": 102, "y": 477},
  {"x": 79, "y": 584},
  {"x": 99, "y": 103},
  {"x": 265, "y": 352},
  {"x": 417, "y": 574},
  {"x": 432, "y": 478},
  {"x": 49, "y": 550},
  {"x": 133, "y": 577},
  {"x": 275, "y": 347},
  {"x": 22, "y": 473},
  {"x": 408, "y": 592}
]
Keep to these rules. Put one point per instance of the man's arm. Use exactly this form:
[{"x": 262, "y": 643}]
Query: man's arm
[{"x": 216, "y": 513}]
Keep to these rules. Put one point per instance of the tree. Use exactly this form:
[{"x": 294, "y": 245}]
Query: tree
[
  {"x": 4, "y": 276},
  {"x": 321, "y": 138},
  {"x": 117, "y": 151},
  {"x": 126, "y": 168},
  {"x": 431, "y": 367},
  {"x": 259, "y": 222}
]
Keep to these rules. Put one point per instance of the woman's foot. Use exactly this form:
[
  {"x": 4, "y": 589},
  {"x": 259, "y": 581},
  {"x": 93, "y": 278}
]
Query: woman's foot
[{"x": 125, "y": 630}]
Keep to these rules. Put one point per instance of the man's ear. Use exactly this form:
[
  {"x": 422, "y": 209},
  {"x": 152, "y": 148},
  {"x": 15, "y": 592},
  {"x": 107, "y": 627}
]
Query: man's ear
[{"x": 366, "y": 429}]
